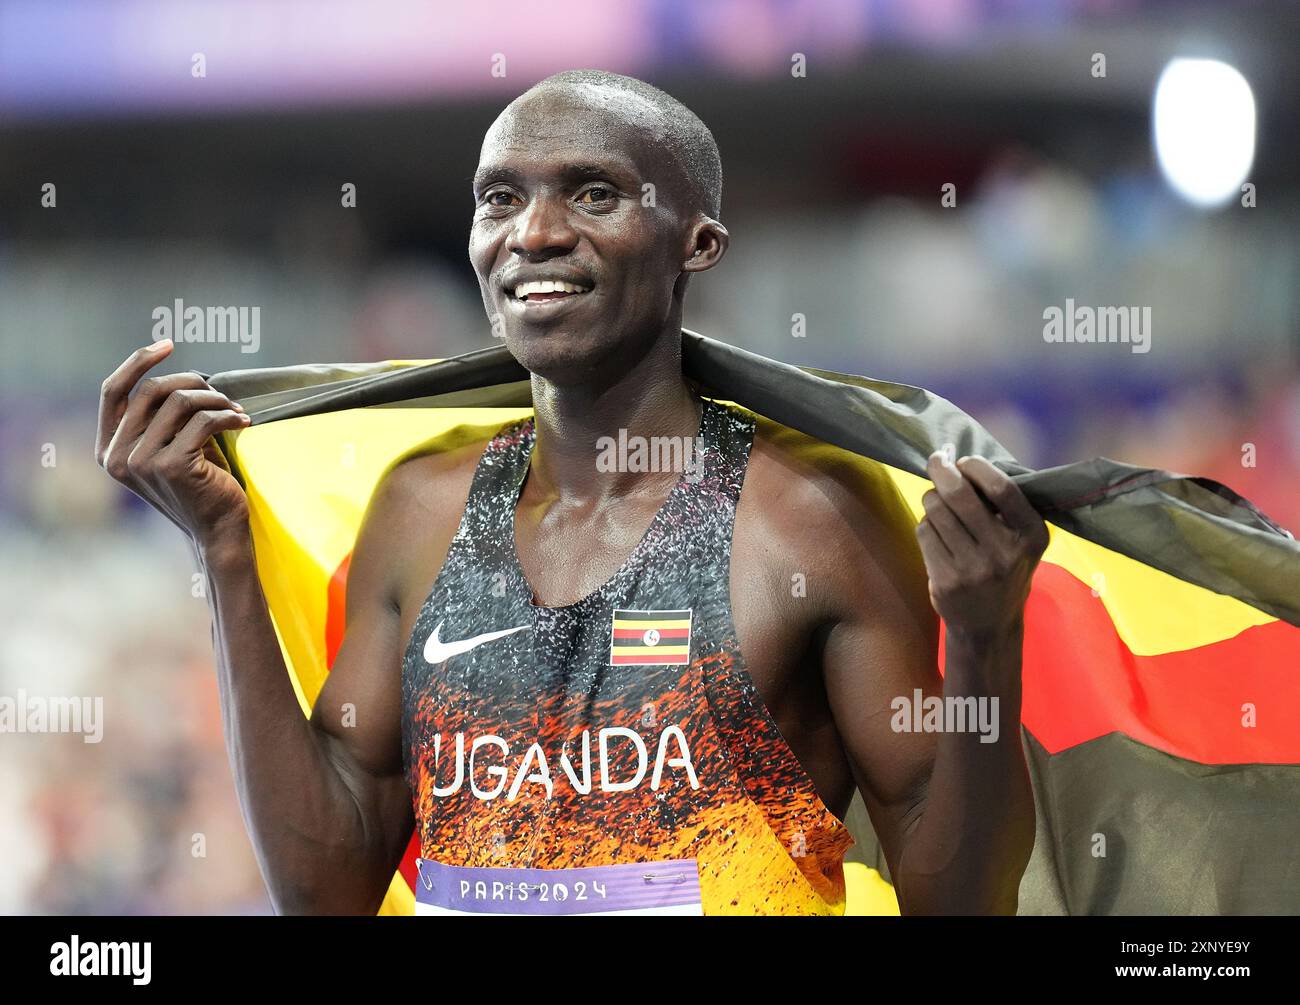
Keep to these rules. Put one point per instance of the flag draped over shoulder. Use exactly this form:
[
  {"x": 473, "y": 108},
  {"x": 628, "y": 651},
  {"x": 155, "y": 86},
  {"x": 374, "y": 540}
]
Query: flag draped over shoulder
[{"x": 1161, "y": 709}]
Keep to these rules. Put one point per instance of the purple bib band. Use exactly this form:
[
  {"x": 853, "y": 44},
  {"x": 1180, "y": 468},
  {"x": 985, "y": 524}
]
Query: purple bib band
[{"x": 635, "y": 888}]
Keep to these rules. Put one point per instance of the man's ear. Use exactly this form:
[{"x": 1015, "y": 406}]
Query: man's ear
[{"x": 708, "y": 243}]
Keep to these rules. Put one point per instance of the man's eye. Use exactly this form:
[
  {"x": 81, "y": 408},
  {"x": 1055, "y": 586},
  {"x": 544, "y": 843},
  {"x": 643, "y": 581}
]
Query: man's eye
[
  {"x": 492, "y": 198},
  {"x": 597, "y": 193}
]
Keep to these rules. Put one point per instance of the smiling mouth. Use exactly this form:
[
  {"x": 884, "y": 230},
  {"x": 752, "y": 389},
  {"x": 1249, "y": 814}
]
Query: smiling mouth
[{"x": 548, "y": 291}]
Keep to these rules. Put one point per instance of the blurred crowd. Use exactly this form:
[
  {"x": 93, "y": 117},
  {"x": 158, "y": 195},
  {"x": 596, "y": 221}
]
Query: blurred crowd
[{"x": 100, "y": 601}]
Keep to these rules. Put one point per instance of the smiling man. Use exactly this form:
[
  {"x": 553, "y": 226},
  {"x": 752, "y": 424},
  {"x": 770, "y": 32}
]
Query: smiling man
[{"x": 628, "y": 690}]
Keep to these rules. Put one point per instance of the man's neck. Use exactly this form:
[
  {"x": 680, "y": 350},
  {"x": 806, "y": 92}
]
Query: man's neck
[{"x": 648, "y": 399}]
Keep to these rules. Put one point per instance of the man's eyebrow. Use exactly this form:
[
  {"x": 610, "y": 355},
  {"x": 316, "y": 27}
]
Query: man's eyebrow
[
  {"x": 574, "y": 172},
  {"x": 584, "y": 172},
  {"x": 486, "y": 176}
]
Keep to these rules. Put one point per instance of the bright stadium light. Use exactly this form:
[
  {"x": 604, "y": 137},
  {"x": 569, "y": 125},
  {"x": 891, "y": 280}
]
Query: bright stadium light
[{"x": 1204, "y": 129}]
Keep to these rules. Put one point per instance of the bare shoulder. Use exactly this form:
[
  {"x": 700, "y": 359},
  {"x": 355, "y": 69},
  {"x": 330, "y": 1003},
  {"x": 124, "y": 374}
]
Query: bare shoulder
[
  {"x": 836, "y": 513},
  {"x": 821, "y": 476},
  {"x": 831, "y": 490},
  {"x": 416, "y": 507},
  {"x": 425, "y": 482}
]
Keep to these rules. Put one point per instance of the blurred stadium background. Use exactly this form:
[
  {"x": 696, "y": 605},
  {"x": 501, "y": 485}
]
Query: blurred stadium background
[{"x": 225, "y": 189}]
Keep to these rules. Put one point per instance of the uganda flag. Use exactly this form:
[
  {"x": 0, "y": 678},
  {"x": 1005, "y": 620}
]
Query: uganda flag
[
  {"x": 1161, "y": 709},
  {"x": 650, "y": 638}
]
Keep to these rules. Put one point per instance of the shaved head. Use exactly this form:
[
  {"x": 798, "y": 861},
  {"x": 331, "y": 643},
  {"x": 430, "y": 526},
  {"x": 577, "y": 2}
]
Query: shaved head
[
  {"x": 560, "y": 197},
  {"x": 668, "y": 124}
]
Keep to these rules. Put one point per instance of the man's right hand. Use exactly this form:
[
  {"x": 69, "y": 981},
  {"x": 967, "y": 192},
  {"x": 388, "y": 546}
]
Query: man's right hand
[
  {"x": 158, "y": 444},
  {"x": 325, "y": 799}
]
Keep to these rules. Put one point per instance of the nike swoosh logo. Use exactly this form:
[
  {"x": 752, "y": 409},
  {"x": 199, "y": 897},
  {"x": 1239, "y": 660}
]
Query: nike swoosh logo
[{"x": 437, "y": 651}]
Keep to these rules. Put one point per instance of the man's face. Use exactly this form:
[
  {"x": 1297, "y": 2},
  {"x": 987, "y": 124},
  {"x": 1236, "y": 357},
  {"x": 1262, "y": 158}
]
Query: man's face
[{"x": 558, "y": 199}]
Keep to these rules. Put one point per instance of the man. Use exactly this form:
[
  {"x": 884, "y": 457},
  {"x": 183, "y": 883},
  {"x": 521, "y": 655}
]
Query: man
[{"x": 604, "y": 682}]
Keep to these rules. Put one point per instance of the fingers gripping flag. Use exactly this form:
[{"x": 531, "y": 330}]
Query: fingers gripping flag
[{"x": 1161, "y": 710}]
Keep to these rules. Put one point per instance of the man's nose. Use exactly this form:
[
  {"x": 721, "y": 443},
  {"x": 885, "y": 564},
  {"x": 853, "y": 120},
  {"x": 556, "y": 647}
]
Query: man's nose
[{"x": 543, "y": 227}]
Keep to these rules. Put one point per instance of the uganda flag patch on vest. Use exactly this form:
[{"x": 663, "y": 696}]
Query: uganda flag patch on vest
[{"x": 650, "y": 638}]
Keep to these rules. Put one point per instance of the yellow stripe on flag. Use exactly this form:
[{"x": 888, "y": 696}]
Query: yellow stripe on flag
[{"x": 1153, "y": 612}]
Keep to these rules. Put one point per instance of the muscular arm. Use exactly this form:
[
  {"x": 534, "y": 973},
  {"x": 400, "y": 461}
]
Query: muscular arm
[
  {"x": 954, "y": 815},
  {"x": 324, "y": 799}
]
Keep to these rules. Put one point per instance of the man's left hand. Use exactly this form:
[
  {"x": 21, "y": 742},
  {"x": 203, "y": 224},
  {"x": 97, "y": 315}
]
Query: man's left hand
[{"x": 981, "y": 540}]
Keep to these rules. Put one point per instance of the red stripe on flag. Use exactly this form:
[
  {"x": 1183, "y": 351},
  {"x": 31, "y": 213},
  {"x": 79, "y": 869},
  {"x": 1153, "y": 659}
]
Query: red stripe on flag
[
  {"x": 335, "y": 609},
  {"x": 1081, "y": 682},
  {"x": 407, "y": 868}
]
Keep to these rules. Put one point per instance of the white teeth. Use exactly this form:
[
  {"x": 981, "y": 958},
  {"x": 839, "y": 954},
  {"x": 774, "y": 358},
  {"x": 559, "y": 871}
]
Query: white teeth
[{"x": 547, "y": 286}]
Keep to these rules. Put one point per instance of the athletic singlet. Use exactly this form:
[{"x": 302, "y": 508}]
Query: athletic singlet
[{"x": 612, "y": 755}]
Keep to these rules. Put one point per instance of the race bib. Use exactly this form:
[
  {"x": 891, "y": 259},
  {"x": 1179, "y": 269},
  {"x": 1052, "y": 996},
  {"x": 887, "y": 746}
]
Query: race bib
[{"x": 639, "y": 888}]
